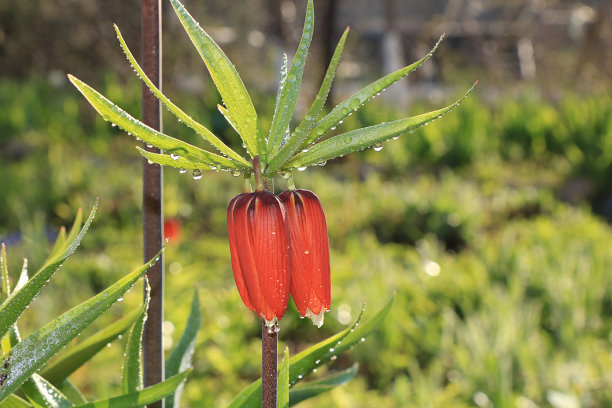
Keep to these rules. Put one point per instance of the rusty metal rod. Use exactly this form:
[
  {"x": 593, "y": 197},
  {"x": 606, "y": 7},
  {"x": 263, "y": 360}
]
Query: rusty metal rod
[{"x": 152, "y": 193}]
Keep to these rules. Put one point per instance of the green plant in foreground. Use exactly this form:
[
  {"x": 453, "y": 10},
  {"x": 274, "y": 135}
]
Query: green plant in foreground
[
  {"x": 259, "y": 255},
  {"x": 26, "y": 378}
]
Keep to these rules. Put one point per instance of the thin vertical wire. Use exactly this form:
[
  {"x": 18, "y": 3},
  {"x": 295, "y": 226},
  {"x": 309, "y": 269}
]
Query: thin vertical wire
[{"x": 152, "y": 193}]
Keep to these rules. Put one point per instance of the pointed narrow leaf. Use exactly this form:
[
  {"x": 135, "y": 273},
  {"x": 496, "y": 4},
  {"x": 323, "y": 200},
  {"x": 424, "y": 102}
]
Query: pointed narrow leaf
[
  {"x": 180, "y": 359},
  {"x": 355, "y": 101},
  {"x": 143, "y": 397},
  {"x": 23, "y": 276},
  {"x": 34, "y": 351},
  {"x": 125, "y": 121},
  {"x": 228, "y": 117},
  {"x": 227, "y": 81},
  {"x": 72, "y": 392},
  {"x": 132, "y": 360},
  {"x": 282, "y": 80},
  {"x": 13, "y": 401},
  {"x": 168, "y": 160},
  {"x": 360, "y": 139},
  {"x": 283, "y": 382},
  {"x": 14, "y": 306},
  {"x": 288, "y": 95},
  {"x": 6, "y": 285},
  {"x": 41, "y": 392},
  {"x": 300, "y": 133},
  {"x": 61, "y": 368},
  {"x": 59, "y": 241},
  {"x": 302, "y": 392},
  {"x": 201, "y": 130},
  {"x": 303, "y": 363}
]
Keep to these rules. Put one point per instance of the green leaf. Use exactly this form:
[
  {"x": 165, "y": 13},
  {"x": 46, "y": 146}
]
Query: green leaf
[
  {"x": 23, "y": 276},
  {"x": 180, "y": 358},
  {"x": 283, "y": 382},
  {"x": 14, "y": 306},
  {"x": 228, "y": 82},
  {"x": 41, "y": 393},
  {"x": 288, "y": 95},
  {"x": 61, "y": 368},
  {"x": 360, "y": 139},
  {"x": 355, "y": 101},
  {"x": 71, "y": 392},
  {"x": 6, "y": 285},
  {"x": 34, "y": 351},
  {"x": 132, "y": 360},
  {"x": 201, "y": 130},
  {"x": 59, "y": 241},
  {"x": 142, "y": 397},
  {"x": 167, "y": 160},
  {"x": 115, "y": 114},
  {"x": 303, "y": 363},
  {"x": 300, "y": 133},
  {"x": 13, "y": 401},
  {"x": 302, "y": 392}
]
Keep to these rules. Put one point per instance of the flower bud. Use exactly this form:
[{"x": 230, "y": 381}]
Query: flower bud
[
  {"x": 260, "y": 260},
  {"x": 309, "y": 253}
]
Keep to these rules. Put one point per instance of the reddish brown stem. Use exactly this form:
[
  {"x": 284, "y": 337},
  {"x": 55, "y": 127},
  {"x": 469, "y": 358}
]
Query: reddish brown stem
[{"x": 269, "y": 362}]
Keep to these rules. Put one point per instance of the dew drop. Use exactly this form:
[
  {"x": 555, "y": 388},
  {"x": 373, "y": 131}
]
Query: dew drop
[
  {"x": 378, "y": 147},
  {"x": 305, "y": 150},
  {"x": 113, "y": 124},
  {"x": 361, "y": 340},
  {"x": 331, "y": 349},
  {"x": 149, "y": 145},
  {"x": 302, "y": 168},
  {"x": 174, "y": 156},
  {"x": 306, "y": 252},
  {"x": 354, "y": 104},
  {"x": 236, "y": 173},
  {"x": 323, "y": 163},
  {"x": 300, "y": 377},
  {"x": 395, "y": 137},
  {"x": 182, "y": 171},
  {"x": 332, "y": 358},
  {"x": 197, "y": 174}
]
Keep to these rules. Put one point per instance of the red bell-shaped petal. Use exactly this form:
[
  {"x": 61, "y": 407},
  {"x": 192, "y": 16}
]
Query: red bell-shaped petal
[
  {"x": 310, "y": 271},
  {"x": 260, "y": 259}
]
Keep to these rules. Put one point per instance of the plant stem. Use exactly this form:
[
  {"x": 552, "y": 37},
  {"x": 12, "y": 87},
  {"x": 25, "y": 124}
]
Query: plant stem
[{"x": 269, "y": 361}]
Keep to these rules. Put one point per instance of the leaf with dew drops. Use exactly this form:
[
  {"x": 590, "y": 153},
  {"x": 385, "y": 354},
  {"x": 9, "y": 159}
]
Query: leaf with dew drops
[
  {"x": 19, "y": 300},
  {"x": 201, "y": 130},
  {"x": 283, "y": 381},
  {"x": 35, "y": 350},
  {"x": 228, "y": 83},
  {"x": 371, "y": 136},
  {"x": 302, "y": 364},
  {"x": 288, "y": 94},
  {"x": 125, "y": 121},
  {"x": 303, "y": 392},
  {"x": 42, "y": 393},
  {"x": 355, "y": 101},
  {"x": 297, "y": 137},
  {"x": 131, "y": 378},
  {"x": 180, "y": 358}
]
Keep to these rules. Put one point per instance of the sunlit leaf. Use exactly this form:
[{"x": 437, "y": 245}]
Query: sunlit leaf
[
  {"x": 19, "y": 300},
  {"x": 180, "y": 359},
  {"x": 142, "y": 397},
  {"x": 283, "y": 382},
  {"x": 303, "y": 363},
  {"x": 41, "y": 393},
  {"x": 13, "y": 401},
  {"x": 288, "y": 94},
  {"x": 125, "y": 121},
  {"x": 302, "y": 392},
  {"x": 201, "y": 130},
  {"x": 300, "y": 133},
  {"x": 78, "y": 355},
  {"x": 355, "y": 101},
  {"x": 132, "y": 357},
  {"x": 35, "y": 350},
  {"x": 228, "y": 82},
  {"x": 363, "y": 138}
]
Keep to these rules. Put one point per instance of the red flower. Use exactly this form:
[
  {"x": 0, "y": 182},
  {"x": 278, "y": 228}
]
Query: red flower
[
  {"x": 260, "y": 260},
  {"x": 310, "y": 271}
]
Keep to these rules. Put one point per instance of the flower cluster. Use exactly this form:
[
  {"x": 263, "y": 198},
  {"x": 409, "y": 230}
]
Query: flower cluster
[{"x": 278, "y": 247}]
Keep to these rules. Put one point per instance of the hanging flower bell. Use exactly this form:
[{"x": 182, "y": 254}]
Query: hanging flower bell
[
  {"x": 309, "y": 253},
  {"x": 260, "y": 260}
]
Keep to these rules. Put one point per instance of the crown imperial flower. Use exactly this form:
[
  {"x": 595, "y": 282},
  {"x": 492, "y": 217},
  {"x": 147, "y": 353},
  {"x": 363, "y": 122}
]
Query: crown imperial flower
[
  {"x": 309, "y": 253},
  {"x": 260, "y": 261}
]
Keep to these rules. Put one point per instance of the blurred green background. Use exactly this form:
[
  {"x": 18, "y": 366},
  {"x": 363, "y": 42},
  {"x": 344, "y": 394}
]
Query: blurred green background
[{"x": 491, "y": 225}]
